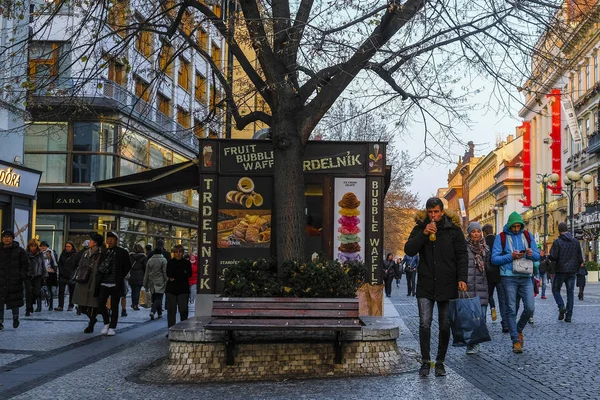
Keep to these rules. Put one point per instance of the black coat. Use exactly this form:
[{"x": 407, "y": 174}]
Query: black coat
[
  {"x": 443, "y": 263},
  {"x": 181, "y": 271},
  {"x": 67, "y": 262},
  {"x": 493, "y": 272},
  {"x": 389, "y": 269},
  {"x": 122, "y": 268},
  {"x": 14, "y": 264},
  {"x": 138, "y": 269}
]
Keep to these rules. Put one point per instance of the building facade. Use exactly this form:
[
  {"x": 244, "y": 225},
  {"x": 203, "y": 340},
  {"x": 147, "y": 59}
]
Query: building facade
[{"x": 109, "y": 97}]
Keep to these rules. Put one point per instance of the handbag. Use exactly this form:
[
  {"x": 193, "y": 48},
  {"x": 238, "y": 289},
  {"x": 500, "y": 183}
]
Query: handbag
[
  {"x": 467, "y": 322},
  {"x": 83, "y": 273},
  {"x": 521, "y": 265}
]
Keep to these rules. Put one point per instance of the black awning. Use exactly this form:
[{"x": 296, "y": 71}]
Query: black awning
[{"x": 131, "y": 189}]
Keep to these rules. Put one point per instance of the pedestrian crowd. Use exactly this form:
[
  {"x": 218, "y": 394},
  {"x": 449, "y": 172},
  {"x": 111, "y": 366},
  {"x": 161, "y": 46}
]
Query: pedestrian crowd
[
  {"x": 451, "y": 265},
  {"x": 97, "y": 278}
]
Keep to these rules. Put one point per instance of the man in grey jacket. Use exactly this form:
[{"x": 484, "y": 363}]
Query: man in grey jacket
[{"x": 566, "y": 253}]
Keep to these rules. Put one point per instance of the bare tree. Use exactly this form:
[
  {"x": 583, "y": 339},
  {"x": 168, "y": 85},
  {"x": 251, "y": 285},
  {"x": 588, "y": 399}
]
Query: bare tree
[{"x": 415, "y": 59}]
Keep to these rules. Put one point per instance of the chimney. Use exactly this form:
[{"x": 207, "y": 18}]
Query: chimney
[{"x": 510, "y": 138}]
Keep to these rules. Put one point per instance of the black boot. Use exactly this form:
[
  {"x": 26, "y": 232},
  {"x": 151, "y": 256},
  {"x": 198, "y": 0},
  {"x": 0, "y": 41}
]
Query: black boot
[
  {"x": 16, "y": 322},
  {"x": 90, "y": 327},
  {"x": 28, "y": 312},
  {"x": 39, "y": 305}
]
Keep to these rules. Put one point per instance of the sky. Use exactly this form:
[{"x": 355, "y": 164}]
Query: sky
[{"x": 487, "y": 125}]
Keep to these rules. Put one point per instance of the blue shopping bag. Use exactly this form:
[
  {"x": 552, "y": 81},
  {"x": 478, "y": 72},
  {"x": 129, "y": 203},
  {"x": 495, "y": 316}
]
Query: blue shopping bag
[{"x": 467, "y": 322}]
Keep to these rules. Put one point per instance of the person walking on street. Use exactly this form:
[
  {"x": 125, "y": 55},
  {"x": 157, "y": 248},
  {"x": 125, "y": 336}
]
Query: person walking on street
[
  {"x": 543, "y": 272},
  {"x": 112, "y": 272},
  {"x": 515, "y": 251},
  {"x": 51, "y": 265},
  {"x": 155, "y": 280},
  {"x": 136, "y": 275},
  {"x": 410, "y": 270},
  {"x": 399, "y": 277},
  {"x": 194, "y": 278},
  {"x": 438, "y": 240},
  {"x": 86, "y": 290},
  {"x": 479, "y": 263},
  {"x": 179, "y": 271},
  {"x": 67, "y": 263},
  {"x": 35, "y": 275},
  {"x": 495, "y": 283},
  {"x": 388, "y": 269},
  {"x": 566, "y": 253},
  {"x": 581, "y": 274},
  {"x": 14, "y": 264}
]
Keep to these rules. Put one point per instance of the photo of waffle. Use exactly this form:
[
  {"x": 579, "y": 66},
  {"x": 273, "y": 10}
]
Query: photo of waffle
[
  {"x": 349, "y": 248},
  {"x": 244, "y": 195},
  {"x": 247, "y": 231}
]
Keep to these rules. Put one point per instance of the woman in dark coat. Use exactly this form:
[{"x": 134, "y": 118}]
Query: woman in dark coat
[
  {"x": 136, "y": 275},
  {"x": 13, "y": 269},
  {"x": 67, "y": 262},
  {"x": 35, "y": 275},
  {"x": 86, "y": 293},
  {"x": 581, "y": 274},
  {"x": 479, "y": 262},
  {"x": 389, "y": 271},
  {"x": 179, "y": 271}
]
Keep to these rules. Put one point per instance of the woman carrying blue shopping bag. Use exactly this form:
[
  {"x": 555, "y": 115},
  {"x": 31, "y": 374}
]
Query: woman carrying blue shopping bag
[{"x": 479, "y": 262}]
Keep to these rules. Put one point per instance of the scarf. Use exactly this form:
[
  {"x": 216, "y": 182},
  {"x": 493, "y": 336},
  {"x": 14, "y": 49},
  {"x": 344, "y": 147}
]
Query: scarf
[{"x": 479, "y": 249}]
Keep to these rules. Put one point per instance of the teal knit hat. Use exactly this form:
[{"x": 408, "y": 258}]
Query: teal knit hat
[{"x": 514, "y": 218}]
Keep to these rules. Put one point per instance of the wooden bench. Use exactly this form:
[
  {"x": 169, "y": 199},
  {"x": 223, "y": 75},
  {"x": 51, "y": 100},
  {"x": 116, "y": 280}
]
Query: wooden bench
[{"x": 284, "y": 313}]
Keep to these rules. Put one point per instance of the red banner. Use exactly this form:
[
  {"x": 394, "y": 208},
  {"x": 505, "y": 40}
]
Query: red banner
[
  {"x": 556, "y": 139},
  {"x": 526, "y": 129}
]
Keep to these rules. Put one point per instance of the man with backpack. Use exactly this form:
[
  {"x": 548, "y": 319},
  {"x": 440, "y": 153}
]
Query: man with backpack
[
  {"x": 515, "y": 252},
  {"x": 566, "y": 253}
]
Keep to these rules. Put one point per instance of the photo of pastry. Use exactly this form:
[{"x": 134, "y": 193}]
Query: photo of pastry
[
  {"x": 245, "y": 192},
  {"x": 349, "y": 248},
  {"x": 236, "y": 228}
]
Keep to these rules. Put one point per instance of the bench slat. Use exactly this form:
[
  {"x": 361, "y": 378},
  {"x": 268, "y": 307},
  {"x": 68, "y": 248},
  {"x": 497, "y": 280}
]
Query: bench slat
[
  {"x": 286, "y": 306},
  {"x": 283, "y": 323},
  {"x": 282, "y": 300},
  {"x": 283, "y": 313}
]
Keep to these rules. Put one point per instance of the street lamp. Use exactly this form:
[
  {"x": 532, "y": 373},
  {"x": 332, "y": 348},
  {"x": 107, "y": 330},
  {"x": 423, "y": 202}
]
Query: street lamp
[
  {"x": 496, "y": 209},
  {"x": 570, "y": 181},
  {"x": 545, "y": 179}
]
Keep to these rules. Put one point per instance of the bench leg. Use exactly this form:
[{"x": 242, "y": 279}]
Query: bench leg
[
  {"x": 337, "y": 344},
  {"x": 230, "y": 348}
]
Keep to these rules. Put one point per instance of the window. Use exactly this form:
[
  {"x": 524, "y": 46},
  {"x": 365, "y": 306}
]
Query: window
[
  {"x": 44, "y": 138},
  {"x": 215, "y": 98},
  {"x": 184, "y": 74},
  {"x": 198, "y": 128},
  {"x": 129, "y": 168},
  {"x": 587, "y": 77},
  {"x": 200, "y": 88},
  {"x": 51, "y": 229},
  {"x": 595, "y": 69},
  {"x": 572, "y": 85},
  {"x": 164, "y": 105},
  {"x": 587, "y": 127},
  {"x": 579, "y": 83},
  {"x": 117, "y": 16},
  {"x": 183, "y": 117},
  {"x": 143, "y": 41},
  {"x": 216, "y": 55},
  {"x": 53, "y": 165},
  {"x": 202, "y": 38},
  {"x": 87, "y": 168},
  {"x": 134, "y": 147},
  {"x": 49, "y": 65},
  {"x": 116, "y": 73},
  {"x": 217, "y": 10},
  {"x": 187, "y": 21},
  {"x": 142, "y": 89},
  {"x": 159, "y": 156},
  {"x": 93, "y": 137},
  {"x": 165, "y": 62}
]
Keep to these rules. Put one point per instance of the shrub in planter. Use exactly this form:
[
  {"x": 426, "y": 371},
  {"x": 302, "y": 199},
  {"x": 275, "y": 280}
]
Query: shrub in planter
[
  {"x": 591, "y": 265},
  {"x": 251, "y": 278}
]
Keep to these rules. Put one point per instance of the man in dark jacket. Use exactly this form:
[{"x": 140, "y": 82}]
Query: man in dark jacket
[
  {"x": 438, "y": 240},
  {"x": 495, "y": 282},
  {"x": 566, "y": 253},
  {"x": 13, "y": 270},
  {"x": 112, "y": 273}
]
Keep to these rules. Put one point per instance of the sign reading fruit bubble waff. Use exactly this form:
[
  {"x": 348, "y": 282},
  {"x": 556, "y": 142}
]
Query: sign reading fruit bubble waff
[{"x": 349, "y": 219}]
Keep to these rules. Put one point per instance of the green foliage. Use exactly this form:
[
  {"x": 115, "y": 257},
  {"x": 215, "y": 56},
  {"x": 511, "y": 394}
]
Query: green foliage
[
  {"x": 591, "y": 265},
  {"x": 323, "y": 278}
]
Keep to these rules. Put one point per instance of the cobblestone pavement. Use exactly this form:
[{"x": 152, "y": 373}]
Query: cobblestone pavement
[{"x": 49, "y": 357}]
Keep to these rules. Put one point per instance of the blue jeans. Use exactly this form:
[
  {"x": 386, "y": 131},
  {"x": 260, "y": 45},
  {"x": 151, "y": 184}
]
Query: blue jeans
[
  {"x": 569, "y": 280},
  {"x": 543, "y": 278},
  {"x": 521, "y": 286}
]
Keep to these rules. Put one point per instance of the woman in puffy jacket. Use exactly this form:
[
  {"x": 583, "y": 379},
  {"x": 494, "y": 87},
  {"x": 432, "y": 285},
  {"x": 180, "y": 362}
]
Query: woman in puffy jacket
[
  {"x": 479, "y": 261},
  {"x": 136, "y": 275},
  {"x": 67, "y": 263},
  {"x": 155, "y": 280}
]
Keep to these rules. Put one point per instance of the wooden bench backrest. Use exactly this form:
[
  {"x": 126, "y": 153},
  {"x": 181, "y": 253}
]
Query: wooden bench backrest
[{"x": 283, "y": 307}]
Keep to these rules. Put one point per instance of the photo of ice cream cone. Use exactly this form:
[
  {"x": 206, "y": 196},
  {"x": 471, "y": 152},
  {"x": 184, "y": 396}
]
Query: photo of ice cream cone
[{"x": 349, "y": 248}]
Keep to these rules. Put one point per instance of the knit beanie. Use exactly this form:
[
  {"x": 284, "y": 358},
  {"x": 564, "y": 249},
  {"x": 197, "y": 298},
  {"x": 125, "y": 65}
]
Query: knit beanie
[{"x": 472, "y": 226}]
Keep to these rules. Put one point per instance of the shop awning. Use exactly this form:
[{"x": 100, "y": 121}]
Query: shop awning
[{"x": 131, "y": 189}]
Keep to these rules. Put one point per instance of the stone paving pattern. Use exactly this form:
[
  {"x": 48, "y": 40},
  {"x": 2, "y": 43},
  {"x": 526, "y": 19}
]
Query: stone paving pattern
[{"x": 561, "y": 361}]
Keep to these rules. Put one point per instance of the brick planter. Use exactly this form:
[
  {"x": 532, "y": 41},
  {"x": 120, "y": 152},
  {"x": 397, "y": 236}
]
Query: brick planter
[{"x": 198, "y": 355}]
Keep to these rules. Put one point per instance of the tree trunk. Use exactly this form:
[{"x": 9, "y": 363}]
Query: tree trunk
[{"x": 290, "y": 204}]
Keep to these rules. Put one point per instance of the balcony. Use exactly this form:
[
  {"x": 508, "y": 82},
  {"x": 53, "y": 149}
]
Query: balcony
[
  {"x": 102, "y": 93},
  {"x": 594, "y": 143}
]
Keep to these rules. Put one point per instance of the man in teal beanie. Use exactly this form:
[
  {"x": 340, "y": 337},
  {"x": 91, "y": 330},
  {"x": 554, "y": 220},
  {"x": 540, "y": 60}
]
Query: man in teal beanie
[{"x": 514, "y": 251}]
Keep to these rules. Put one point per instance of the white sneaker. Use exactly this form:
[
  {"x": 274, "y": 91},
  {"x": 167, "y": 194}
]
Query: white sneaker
[
  {"x": 111, "y": 332},
  {"x": 105, "y": 330}
]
